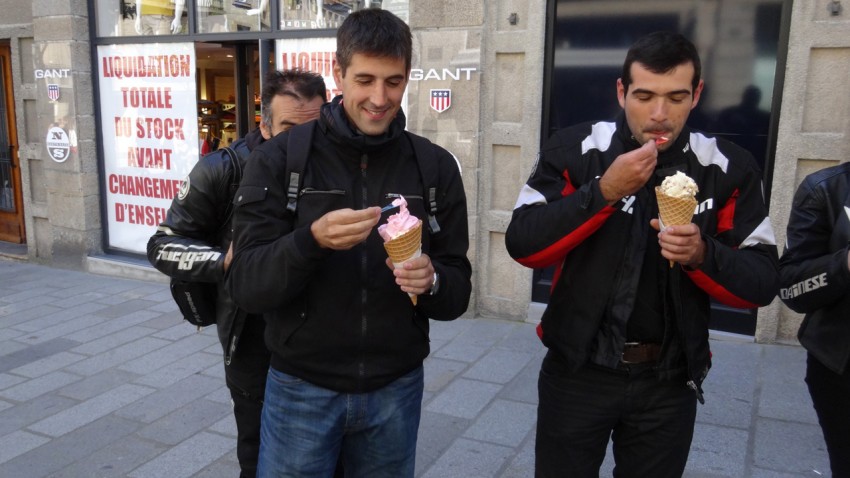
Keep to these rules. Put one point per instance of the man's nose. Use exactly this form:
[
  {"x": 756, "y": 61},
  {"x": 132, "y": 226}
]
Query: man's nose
[
  {"x": 659, "y": 110},
  {"x": 379, "y": 94}
]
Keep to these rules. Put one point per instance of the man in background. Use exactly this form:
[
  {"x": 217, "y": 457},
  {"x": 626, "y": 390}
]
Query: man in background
[{"x": 199, "y": 219}]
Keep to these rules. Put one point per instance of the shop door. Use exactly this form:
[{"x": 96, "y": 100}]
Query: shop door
[
  {"x": 585, "y": 59},
  {"x": 11, "y": 200},
  {"x": 228, "y": 92}
]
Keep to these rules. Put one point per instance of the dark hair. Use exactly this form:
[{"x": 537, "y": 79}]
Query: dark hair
[
  {"x": 660, "y": 52},
  {"x": 297, "y": 83},
  {"x": 373, "y": 32}
]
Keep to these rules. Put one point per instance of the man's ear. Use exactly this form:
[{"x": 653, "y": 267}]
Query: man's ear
[
  {"x": 265, "y": 131},
  {"x": 338, "y": 75},
  {"x": 621, "y": 93},
  {"x": 697, "y": 93}
]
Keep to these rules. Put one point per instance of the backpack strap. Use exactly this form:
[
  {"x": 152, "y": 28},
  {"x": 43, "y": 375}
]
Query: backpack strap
[
  {"x": 236, "y": 167},
  {"x": 426, "y": 159},
  {"x": 297, "y": 151}
]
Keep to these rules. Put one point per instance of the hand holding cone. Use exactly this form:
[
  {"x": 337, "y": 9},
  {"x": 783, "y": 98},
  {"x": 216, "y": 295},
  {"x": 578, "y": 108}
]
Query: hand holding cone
[
  {"x": 674, "y": 211},
  {"x": 405, "y": 247}
]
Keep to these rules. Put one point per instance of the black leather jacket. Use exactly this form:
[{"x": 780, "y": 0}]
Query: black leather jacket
[
  {"x": 337, "y": 318},
  {"x": 193, "y": 240},
  {"x": 562, "y": 219},
  {"x": 815, "y": 276}
]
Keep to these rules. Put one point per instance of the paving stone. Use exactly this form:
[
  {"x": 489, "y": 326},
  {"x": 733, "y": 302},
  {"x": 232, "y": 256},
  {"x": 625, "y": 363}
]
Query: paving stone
[
  {"x": 117, "y": 356},
  {"x": 90, "y": 410},
  {"x": 468, "y": 458},
  {"x": 186, "y": 459},
  {"x": 775, "y": 451},
  {"x": 169, "y": 354},
  {"x": 47, "y": 364},
  {"x": 179, "y": 370},
  {"x": 437, "y": 431},
  {"x": 67, "y": 327},
  {"x": 23, "y": 414},
  {"x": 33, "y": 353},
  {"x": 498, "y": 366},
  {"x": 59, "y": 453},
  {"x": 719, "y": 451},
  {"x": 522, "y": 466},
  {"x": 186, "y": 421},
  {"x": 7, "y": 380},
  {"x": 439, "y": 372},
  {"x": 18, "y": 443},
  {"x": 97, "y": 384},
  {"x": 39, "y": 386},
  {"x": 164, "y": 401},
  {"x": 124, "y": 308},
  {"x": 115, "y": 460},
  {"x": 523, "y": 388},
  {"x": 463, "y": 398},
  {"x": 115, "y": 338},
  {"x": 60, "y": 319},
  {"x": 504, "y": 423}
]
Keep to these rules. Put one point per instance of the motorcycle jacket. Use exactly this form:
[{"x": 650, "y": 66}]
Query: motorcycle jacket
[
  {"x": 336, "y": 318},
  {"x": 561, "y": 219},
  {"x": 813, "y": 267},
  {"x": 192, "y": 242}
]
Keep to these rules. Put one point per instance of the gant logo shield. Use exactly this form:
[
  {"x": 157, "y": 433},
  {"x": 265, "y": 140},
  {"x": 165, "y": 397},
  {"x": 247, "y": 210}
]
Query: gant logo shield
[
  {"x": 53, "y": 91},
  {"x": 441, "y": 100}
]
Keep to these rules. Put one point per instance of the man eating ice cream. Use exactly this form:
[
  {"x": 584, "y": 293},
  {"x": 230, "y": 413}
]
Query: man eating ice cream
[
  {"x": 628, "y": 334},
  {"x": 347, "y": 343}
]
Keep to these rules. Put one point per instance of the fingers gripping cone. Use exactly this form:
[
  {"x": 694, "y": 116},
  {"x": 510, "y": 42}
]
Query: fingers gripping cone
[
  {"x": 673, "y": 211},
  {"x": 405, "y": 247}
]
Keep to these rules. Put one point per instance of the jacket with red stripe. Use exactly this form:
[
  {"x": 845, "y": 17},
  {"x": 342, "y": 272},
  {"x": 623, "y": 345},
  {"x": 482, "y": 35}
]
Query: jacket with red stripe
[{"x": 562, "y": 219}]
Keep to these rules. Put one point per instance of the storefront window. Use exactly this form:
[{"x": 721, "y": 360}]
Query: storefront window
[
  {"x": 312, "y": 14},
  {"x": 141, "y": 17},
  {"x": 219, "y": 16}
]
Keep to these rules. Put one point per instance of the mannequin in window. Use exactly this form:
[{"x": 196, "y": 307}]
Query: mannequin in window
[
  {"x": 158, "y": 17},
  {"x": 320, "y": 15}
]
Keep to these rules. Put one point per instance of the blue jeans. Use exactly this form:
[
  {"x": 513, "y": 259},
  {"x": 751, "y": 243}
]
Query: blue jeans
[{"x": 305, "y": 428}]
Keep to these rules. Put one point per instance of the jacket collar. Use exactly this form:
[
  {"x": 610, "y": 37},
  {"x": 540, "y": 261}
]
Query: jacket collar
[{"x": 336, "y": 124}]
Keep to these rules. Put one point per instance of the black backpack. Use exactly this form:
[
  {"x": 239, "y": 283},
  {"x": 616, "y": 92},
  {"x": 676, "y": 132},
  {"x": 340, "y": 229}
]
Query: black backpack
[
  {"x": 298, "y": 150},
  {"x": 196, "y": 300}
]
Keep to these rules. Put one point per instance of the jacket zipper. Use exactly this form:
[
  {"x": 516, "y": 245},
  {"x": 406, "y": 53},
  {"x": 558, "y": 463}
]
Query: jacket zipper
[{"x": 364, "y": 271}]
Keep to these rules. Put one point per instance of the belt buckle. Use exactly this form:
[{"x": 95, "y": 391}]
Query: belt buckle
[{"x": 623, "y": 354}]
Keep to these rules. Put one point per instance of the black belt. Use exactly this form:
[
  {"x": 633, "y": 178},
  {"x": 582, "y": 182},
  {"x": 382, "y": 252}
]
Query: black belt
[{"x": 636, "y": 352}]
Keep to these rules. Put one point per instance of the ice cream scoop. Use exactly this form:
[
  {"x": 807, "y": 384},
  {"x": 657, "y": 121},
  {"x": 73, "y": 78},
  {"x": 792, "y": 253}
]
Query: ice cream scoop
[{"x": 398, "y": 223}]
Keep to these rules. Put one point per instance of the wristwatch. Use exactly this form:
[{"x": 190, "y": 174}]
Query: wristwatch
[{"x": 435, "y": 284}]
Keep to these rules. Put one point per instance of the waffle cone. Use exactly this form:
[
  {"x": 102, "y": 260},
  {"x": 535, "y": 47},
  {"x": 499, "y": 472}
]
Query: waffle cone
[
  {"x": 673, "y": 211},
  {"x": 405, "y": 247}
]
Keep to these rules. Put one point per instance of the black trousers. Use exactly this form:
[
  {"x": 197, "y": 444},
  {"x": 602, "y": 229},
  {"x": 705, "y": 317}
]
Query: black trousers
[
  {"x": 651, "y": 422},
  {"x": 246, "y": 379},
  {"x": 831, "y": 398}
]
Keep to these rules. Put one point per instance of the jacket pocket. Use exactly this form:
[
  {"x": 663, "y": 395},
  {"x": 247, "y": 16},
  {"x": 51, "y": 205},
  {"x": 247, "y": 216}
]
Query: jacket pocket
[
  {"x": 315, "y": 203},
  {"x": 249, "y": 194}
]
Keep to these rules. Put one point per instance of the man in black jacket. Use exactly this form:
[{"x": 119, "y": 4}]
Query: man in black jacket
[
  {"x": 347, "y": 342},
  {"x": 198, "y": 220},
  {"x": 815, "y": 271},
  {"x": 627, "y": 330}
]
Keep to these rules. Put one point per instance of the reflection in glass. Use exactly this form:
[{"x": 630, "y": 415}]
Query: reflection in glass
[
  {"x": 140, "y": 17},
  {"x": 219, "y": 16},
  {"x": 312, "y": 14}
]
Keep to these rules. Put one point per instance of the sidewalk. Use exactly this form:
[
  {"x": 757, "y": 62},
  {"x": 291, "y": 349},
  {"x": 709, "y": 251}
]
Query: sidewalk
[{"x": 99, "y": 377}]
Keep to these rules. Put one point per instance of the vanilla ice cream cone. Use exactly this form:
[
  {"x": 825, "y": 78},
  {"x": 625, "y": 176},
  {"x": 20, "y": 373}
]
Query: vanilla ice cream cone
[
  {"x": 673, "y": 211},
  {"x": 404, "y": 248}
]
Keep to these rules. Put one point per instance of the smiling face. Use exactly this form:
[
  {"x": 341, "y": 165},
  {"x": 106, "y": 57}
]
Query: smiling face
[
  {"x": 658, "y": 104},
  {"x": 372, "y": 88}
]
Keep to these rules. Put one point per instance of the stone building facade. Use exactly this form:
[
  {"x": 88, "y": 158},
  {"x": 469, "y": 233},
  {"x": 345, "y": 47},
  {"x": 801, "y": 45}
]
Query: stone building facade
[{"x": 493, "y": 126}]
